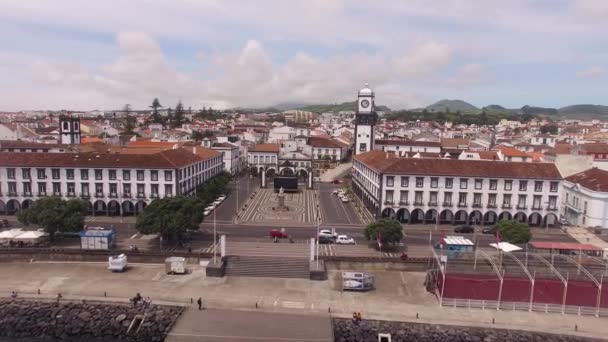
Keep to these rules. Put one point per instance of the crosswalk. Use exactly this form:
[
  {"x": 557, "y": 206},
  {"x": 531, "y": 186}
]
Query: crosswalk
[{"x": 365, "y": 251}]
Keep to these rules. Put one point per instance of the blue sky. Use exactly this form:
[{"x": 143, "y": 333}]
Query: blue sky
[{"x": 87, "y": 55}]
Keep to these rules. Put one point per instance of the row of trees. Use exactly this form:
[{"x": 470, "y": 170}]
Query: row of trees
[
  {"x": 391, "y": 231},
  {"x": 484, "y": 118}
]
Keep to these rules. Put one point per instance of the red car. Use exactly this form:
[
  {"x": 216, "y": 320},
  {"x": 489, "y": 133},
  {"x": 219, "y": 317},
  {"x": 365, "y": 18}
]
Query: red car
[{"x": 278, "y": 233}]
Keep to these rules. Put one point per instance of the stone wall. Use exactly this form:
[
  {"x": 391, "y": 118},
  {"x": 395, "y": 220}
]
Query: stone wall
[
  {"x": 367, "y": 330},
  {"x": 22, "y": 319}
]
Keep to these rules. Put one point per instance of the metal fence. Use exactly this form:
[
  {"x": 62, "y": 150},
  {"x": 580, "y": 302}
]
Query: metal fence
[{"x": 521, "y": 306}]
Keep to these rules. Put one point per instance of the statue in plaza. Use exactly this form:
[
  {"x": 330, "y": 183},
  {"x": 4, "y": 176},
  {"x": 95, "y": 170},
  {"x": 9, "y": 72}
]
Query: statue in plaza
[{"x": 281, "y": 199}]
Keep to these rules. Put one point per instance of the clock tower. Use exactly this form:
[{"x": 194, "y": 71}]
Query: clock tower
[{"x": 365, "y": 120}]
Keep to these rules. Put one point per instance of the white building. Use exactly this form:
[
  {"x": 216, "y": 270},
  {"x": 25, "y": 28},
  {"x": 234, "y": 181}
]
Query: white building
[
  {"x": 456, "y": 191},
  {"x": 231, "y": 154},
  {"x": 585, "y": 199},
  {"x": 399, "y": 146},
  {"x": 112, "y": 184}
]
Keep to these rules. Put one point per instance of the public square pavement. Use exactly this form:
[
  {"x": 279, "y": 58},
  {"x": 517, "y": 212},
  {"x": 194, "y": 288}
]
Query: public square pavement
[
  {"x": 399, "y": 296},
  {"x": 262, "y": 208}
]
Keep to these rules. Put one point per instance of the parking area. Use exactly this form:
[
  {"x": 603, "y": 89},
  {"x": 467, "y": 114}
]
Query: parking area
[{"x": 335, "y": 211}]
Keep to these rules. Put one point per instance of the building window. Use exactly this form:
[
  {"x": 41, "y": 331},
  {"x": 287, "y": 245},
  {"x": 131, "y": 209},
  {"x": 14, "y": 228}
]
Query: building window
[
  {"x": 553, "y": 186},
  {"x": 126, "y": 189},
  {"x": 462, "y": 199},
  {"x": 112, "y": 174},
  {"x": 506, "y": 200},
  {"x": 390, "y": 180},
  {"x": 154, "y": 175},
  {"x": 84, "y": 189},
  {"x": 508, "y": 185},
  {"x": 113, "y": 190},
  {"x": 12, "y": 188},
  {"x": 42, "y": 188},
  {"x": 405, "y": 181},
  {"x": 433, "y": 198},
  {"x": 492, "y": 200},
  {"x": 141, "y": 190},
  {"x": 25, "y": 173},
  {"x": 447, "y": 198},
  {"x": 41, "y": 173},
  {"x": 552, "y": 202},
  {"x": 126, "y": 175},
  {"x": 57, "y": 189},
  {"x": 10, "y": 173},
  {"x": 478, "y": 184},
  {"x": 84, "y": 174},
  {"x": 493, "y": 184},
  {"x": 55, "y": 173},
  {"x": 154, "y": 190},
  {"x": 71, "y": 189},
  {"x": 419, "y": 182},
  {"x": 362, "y": 147},
  {"x": 389, "y": 196},
  {"x": 403, "y": 197},
  {"x": 168, "y": 176},
  {"x": 434, "y": 182},
  {"x": 168, "y": 190},
  {"x": 521, "y": 202},
  {"x": 464, "y": 182},
  {"x": 69, "y": 173},
  {"x": 523, "y": 185},
  {"x": 538, "y": 186},
  {"x": 99, "y": 189},
  {"x": 98, "y": 174},
  {"x": 140, "y": 175},
  {"x": 536, "y": 202},
  {"x": 418, "y": 198}
]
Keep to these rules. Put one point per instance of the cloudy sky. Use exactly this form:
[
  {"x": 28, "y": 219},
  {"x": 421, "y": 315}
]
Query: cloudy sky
[{"x": 75, "y": 54}]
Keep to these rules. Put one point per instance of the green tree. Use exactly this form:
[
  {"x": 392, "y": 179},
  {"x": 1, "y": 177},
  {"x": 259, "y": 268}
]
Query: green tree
[
  {"x": 171, "y": 217},
  {"x": 155, "y": 117},
  {"x": 390, "y": 230},
  {"x": 549, "y": 129},
  {"x": 514, "y": 232},
  {"x": 178, "y": 117},
  {"x": 214, "y": 187},
  {"x": 130, "y": 121},
  {"x": 197, "y": 135},
  {"x": 54, "y": 215}
]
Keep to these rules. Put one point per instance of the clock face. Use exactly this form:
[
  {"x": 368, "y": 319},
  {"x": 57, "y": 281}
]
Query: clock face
[{"x": 365, "y": 103}]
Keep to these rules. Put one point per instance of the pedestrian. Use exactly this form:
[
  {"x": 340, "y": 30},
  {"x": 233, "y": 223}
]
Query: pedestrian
[
  {"x": 200, "y": 303},
  {"x": 14, "y": 295},
  {"x": 359, "y": 316},
  {"x": 355, "y": 318}
]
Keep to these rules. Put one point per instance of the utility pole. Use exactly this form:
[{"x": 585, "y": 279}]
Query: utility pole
[{"x": 214, "y": 240}]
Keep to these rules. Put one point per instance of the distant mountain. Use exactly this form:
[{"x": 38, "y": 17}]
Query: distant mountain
[
  {"x": 346, "y": 106},
  {"x": 584, "y": 111},
  {"x": 290, "y": 105},
  {"x": 453, "y": 106},
  {"x": 531, "y": 110}
]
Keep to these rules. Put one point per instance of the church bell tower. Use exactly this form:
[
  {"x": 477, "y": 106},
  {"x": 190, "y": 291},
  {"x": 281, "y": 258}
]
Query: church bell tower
[
  {"x": 365, "y": 120},
  {"x": 69, "y": 130}
]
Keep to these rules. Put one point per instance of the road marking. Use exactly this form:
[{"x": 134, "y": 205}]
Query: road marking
[
  {"x": 293, "y": 305},
  {"x": 252, "y": 338},
  {"x": 133, "y": 237}
]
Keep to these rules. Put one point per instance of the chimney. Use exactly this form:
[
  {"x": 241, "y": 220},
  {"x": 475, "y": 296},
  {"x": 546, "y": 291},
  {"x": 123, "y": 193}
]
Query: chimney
[
  {"x": 194, "y": 149},
  {"x": 386, "y": 155}
]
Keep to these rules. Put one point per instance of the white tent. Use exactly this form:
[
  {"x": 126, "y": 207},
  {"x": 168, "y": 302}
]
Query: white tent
[
  {"x": 31, "y": 235},
  {"x": 11, "y": 234},
  {"x": 506, "y": 247}
]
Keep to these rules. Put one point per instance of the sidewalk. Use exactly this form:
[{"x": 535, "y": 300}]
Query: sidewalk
[
  {"x": 399, "y": 297},
  {"x": 582, "y": 235},
  {"x": 332, "y": 174}
]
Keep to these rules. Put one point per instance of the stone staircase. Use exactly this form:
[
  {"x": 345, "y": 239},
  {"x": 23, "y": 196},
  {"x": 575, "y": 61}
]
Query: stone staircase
[{"x": 264, "y": 266}]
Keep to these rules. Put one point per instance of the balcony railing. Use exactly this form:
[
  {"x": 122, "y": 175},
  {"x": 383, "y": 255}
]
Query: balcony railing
[
  {"x": 57, "y": 193},
  {"x": 521, "y": 206},
  {"x": 418, "y": 203},
  {"x": 71, "y": 194},
  {"x": 126, "y": 195},
  {"x": 42, "y": 193},
  {"x": 153, "y": 195},
  {"x": 491, "y": 205},
  {"x": 552, "y": 208},
  {"x": 433, "y": 204},
  {"x": 448, "y": 204},
  {"x": 168, "y": 195},
  {"x": 41, "y": 177},
  {"x": 99, "y": 194},
  {"x": 27, "y": 193},
  {"x": 476, "y": 205},
  {"x": 141, "y": 195},
  {"x": 404, "y": 203},
  {"x": 113, "y": 195},
  {"x": 462, "y": 205},
  {"x": 388, "y": 202},
  {"x": 85, "y": 195},
  {"x": 12, "y": 193},
  {"x": 506, "y": 206},
  {"x": 536, "y": 207}
]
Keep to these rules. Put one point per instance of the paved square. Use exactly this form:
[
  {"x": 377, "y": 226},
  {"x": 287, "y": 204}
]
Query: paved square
[{"x": 261, "y": 209}]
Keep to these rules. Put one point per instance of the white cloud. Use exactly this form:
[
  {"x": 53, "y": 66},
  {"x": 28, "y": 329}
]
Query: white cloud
[
  {"x": 423, "y": 59},
  {"x": 470, "y": 75},
  {"x": 592, "y": 72}
]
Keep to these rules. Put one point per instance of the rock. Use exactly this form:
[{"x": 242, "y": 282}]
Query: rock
[
  {"x": 85, "y": 315},
  {"x": 121, "y": 317}
]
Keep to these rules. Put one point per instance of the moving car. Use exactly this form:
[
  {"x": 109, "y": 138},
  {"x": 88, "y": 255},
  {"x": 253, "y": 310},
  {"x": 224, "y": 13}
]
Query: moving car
[
  {"x": 345, "y": 240},
  {"x": 489, "y": 230},
  {"x": 279, "y": 233},
  {"x": 328, "y": 233},
  {"x": 325, "y": 240},
  {"x": 464, "y": 229}
]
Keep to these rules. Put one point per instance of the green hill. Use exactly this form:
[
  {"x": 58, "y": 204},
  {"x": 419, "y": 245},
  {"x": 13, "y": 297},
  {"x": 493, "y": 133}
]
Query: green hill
[
  {"x": 532, "y": 110},
  {"x": 346, "y": 106},
  {"x": 584, "y": 111},
  {"x": 453, "y": 106}
]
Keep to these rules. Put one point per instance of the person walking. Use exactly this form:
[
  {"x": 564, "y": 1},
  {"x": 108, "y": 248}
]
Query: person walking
[{"x": 200, "y": 303}]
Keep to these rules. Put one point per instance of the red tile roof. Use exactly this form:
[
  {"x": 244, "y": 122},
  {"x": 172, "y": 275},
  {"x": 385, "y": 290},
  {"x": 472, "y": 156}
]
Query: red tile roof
[
  {"x": 593, "y": 179},
  {"x": 595, "y": 148},
  {"x": 513, "y": 152},
  {"x": 166, "y": 159},
  {"x": 388, "y": 163},
  {"x": 403, "y": 142},
  {"x": 28, "y": 144},
  {"x": 317, "y": 141},
  {"x": 266, "y": 148}
]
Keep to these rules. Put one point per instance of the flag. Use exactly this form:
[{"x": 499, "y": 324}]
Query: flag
[{"x": 379, "y": 239}]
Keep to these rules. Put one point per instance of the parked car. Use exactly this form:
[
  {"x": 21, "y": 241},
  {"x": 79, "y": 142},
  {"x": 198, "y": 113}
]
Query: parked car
[
  {"x": 345, "y": 240},
  {"x": 335, "y": 192},
  {"x": 221, "y": 198},
  {"x": 328, "y": 233},
  {"x": 336, "y": 181},
  {"x": 207, "y": 212},
  {"x": 344, "y": 199},
  {"x": 489, "y": 230},
  {"x": 464, "y": 229},
  {"x": 279, "y": 233},
  {"x": 325, "y": 240},
  {"x": 217, "y": 202},
  {"x": 211, "y": 206}
]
